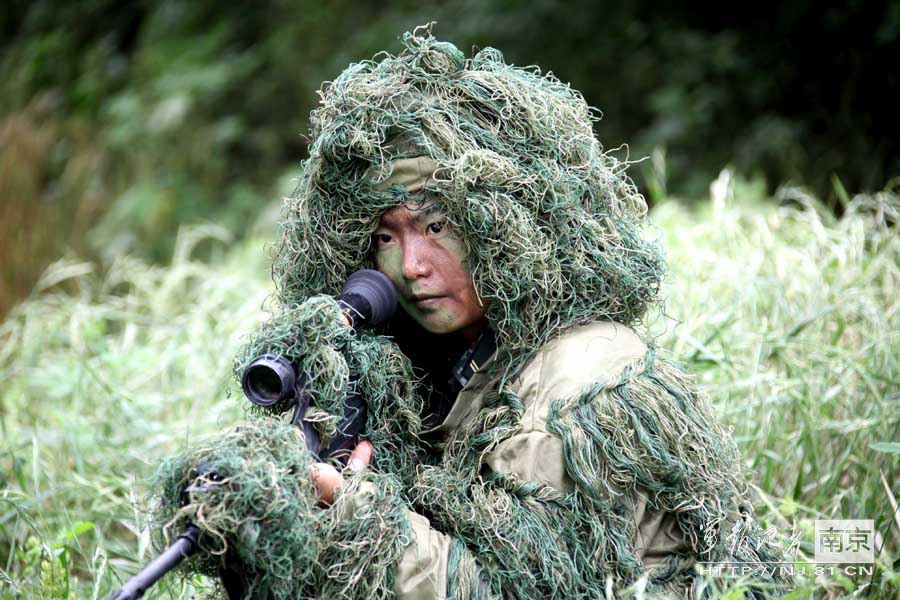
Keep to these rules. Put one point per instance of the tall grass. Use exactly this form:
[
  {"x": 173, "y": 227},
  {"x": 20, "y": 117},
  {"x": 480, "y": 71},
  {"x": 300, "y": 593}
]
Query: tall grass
[
  {"x": 97, "y": 385},
  {"x": 789, "y": 317}
]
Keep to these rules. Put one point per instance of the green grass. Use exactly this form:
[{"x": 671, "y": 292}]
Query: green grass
[{"x": 789, "y": 317}]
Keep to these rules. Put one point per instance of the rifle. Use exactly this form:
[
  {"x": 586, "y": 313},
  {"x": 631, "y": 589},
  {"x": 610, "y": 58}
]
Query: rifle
[{"x": 367, "y": 298}]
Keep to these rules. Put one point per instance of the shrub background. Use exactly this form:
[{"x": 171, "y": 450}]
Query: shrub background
[{"x": 121, "y": 120}]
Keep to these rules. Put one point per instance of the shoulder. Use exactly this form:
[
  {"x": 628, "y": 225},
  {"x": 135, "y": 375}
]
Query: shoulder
[
  {"x": 580, "y": 356},
  {"x": 577, "y": 358},
  {"x": 561, "y": 369}
]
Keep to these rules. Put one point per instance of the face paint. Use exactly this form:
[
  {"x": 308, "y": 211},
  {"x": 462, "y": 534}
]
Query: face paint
[{"x": 416, "y": 250}]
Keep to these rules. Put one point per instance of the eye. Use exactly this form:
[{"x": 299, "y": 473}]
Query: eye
[
  {"x": 437, "y": 227},
  {"x": 380, "y": 239}
]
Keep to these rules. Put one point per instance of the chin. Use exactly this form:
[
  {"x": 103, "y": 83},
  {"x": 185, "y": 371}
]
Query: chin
[{"x": 439, "y": 329}]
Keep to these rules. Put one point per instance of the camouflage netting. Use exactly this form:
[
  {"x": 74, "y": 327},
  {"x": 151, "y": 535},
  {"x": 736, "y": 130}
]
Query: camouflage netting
[
  {"x": 552, "y": 229},
  {"x": 648, "y": 429}
]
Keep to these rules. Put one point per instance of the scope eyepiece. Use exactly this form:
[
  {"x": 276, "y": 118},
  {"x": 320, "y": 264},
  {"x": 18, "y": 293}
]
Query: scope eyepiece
[
  {"x": 369, "y": 296},
  {"x": 268, "y": 380}
]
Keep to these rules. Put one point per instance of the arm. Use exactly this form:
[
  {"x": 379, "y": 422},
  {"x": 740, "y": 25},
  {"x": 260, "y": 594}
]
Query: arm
[
  {"x": 422, "y": 571},
  {"x": 599, "y": 463}
]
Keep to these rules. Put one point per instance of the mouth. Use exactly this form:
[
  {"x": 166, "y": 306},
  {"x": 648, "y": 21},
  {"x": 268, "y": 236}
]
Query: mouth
[{"x": 424, "y": 299}]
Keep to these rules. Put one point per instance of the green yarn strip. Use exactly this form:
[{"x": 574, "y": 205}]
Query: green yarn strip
[{"x": 337, "y": 361}]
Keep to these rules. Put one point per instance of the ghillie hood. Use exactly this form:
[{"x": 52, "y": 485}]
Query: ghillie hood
[{"x": 550, "y": 222}]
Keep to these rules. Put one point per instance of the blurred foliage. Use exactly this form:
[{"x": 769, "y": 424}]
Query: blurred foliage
[{"x": 121, "y": 120}]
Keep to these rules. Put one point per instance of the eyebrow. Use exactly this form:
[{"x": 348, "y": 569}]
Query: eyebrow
[
  {"x": 426, "y": 211},
  {"x": 419, "y": 215}
]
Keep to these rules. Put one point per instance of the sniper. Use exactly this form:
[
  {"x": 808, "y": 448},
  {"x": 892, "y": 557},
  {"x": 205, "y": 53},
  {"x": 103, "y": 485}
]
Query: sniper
[{"x": 524, "y": 438}]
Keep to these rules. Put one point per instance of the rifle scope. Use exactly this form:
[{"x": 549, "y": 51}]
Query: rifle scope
[
  {"x": 367, "y": 298},
  {"x": 268, "y": 380}
]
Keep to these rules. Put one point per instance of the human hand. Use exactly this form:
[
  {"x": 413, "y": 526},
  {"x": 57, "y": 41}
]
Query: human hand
[{"x": 328, "y": 481}]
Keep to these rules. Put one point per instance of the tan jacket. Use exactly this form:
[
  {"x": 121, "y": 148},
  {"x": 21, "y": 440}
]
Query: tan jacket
[{"x": 563, "y": 368}]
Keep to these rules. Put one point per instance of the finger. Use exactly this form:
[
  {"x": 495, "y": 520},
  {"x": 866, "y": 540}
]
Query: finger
[
  {"x": 326, "y": 480},
  {"x": 361, "y": 456}
]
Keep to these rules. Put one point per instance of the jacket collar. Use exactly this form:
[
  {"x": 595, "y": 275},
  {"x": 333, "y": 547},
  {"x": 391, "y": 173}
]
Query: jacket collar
[{"x": 474, "y": 360}]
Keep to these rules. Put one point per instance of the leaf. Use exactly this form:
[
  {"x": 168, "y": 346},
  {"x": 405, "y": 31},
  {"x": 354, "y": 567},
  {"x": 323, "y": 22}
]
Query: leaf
[
  {"x": 788, "y": 507},
  {"x": 62, "y": 270},
  {"x": 888, "y": 447},
  {"x": 798, "y": 594},
  {"x": 844, "y": 581},
  {"x": 77, "y": 529}
]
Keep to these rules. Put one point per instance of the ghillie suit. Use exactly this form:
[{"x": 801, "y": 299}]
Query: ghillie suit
[
  {"x": 260, "y": 523},
  {"x": 576, "y": 459}
]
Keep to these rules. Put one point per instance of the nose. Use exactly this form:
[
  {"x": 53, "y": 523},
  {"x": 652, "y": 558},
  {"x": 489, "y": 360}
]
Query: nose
[{"x": 416, "y": 260}]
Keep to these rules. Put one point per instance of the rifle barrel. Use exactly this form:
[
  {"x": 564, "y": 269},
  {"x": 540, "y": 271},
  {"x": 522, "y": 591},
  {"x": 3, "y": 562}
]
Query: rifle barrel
[{"x": 184, "y": 546}]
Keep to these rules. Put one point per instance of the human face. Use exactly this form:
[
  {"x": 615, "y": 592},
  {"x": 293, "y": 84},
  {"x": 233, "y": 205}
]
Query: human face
[{"x": 417, "y": 251}]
